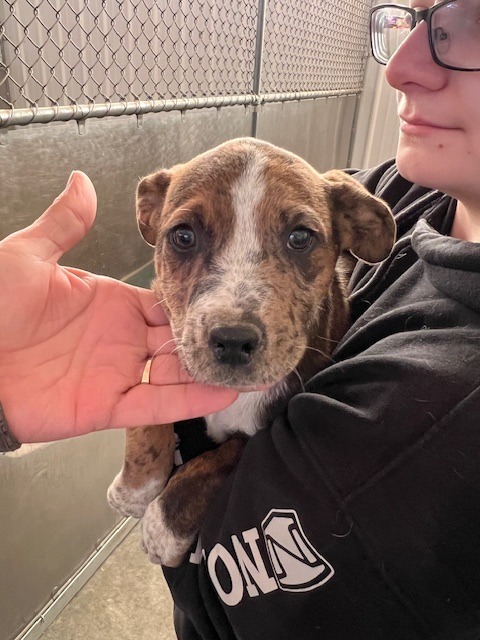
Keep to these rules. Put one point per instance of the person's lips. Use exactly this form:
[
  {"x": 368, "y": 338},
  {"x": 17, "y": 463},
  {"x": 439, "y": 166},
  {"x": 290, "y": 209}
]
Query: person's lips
[{"x": 419, "y": 126}]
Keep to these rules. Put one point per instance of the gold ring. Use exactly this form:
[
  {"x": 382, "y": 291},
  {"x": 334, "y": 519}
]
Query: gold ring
[{"x": 146, "y": 372}]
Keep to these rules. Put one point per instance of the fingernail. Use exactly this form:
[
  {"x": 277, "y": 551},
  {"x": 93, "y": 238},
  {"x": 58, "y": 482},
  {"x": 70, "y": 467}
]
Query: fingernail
[{"x": 70, "y": 179}]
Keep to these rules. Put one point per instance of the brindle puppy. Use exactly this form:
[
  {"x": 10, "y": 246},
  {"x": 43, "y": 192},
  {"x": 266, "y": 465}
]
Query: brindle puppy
[{"x": 247, "y": 243}]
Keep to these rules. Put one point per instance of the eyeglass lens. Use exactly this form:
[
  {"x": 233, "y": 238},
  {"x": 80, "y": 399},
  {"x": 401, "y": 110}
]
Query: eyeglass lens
[{"x": 454, "y": 32}]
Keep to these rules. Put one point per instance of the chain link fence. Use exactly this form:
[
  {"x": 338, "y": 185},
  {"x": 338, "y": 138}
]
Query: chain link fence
[
  {"x": 314, "y": 46},
  {"x": 74, "y": 59}
]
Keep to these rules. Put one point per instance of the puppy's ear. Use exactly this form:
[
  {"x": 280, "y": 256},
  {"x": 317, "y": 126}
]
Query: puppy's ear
[
  {"x": 366, "y": 224},
  {"x": 151, "y": 193}
]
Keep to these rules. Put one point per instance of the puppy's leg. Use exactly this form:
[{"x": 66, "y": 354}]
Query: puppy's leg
[
  {"x": 172, "y": 520},
  {"x": 147, "y": 467}
]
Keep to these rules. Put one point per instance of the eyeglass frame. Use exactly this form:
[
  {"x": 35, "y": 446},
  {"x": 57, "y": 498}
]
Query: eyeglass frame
[{"x": 418, "y": 15}]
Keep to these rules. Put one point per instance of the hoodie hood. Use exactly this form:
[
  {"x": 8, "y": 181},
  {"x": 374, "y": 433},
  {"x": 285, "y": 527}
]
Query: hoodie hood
[{"x": 452, "y": 265}]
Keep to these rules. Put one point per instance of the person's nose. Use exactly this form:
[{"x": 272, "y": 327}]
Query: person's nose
[{"x": 413, "y": 63}]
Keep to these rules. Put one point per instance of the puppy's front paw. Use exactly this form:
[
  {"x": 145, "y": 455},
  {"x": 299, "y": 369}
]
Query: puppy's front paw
[
  {"x": 162, "y": 544},
  {"x": 133, "y": 501}
]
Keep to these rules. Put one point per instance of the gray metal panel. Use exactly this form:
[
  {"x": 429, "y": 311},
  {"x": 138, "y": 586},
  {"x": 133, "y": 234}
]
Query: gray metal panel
[
  {"x": 376, "y": 135},
  {"x": 54, "y": 511},
  {"x": 37, "y": 160},
  {"x": 317, "y": 130}
]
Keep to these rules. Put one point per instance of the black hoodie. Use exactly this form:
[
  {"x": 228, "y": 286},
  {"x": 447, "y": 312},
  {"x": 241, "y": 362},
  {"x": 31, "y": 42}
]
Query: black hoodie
[{"x": 356, "y": 515}]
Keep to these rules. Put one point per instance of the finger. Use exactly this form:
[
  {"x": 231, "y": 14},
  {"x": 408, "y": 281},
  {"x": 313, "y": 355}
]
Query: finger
[
  {"x": 149, "y": 404},
  {"x": 65, "y": 222}
]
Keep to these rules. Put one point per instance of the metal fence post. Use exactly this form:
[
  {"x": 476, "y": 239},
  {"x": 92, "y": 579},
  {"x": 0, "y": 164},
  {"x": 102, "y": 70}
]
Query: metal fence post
[{"x": 257, "y": 71}]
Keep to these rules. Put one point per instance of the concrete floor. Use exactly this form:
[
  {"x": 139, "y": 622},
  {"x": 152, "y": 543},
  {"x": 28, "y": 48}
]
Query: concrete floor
[{"x": 126, "y": 599}]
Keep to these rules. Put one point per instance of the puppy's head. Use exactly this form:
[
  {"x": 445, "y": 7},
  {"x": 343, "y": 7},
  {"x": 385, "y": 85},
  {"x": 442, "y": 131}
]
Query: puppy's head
[{"x": 246, "y": 240}]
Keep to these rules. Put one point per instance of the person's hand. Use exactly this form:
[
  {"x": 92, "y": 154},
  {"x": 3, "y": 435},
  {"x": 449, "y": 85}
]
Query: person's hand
[{"x": 73, "y": 345}]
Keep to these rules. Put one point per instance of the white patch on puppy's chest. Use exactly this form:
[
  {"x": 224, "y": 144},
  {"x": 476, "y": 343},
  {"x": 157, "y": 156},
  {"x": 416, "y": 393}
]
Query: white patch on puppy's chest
[
  {"x": 246, "y": 414},
  {"x": 241, "y": 416}
]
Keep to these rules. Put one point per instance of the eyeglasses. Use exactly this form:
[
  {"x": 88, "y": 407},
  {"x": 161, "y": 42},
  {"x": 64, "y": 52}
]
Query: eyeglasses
[{"x": 453, "y": 32}]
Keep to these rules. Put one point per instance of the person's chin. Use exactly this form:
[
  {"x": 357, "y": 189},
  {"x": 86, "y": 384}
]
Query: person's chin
[{"x": 420, "y": 165}]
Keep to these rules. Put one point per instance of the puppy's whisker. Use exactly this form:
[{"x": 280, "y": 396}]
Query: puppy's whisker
[
  {"x": 174, "y": 365},
  {"x": 302, "y": 386},
  {"x": 322, "y": 353},
  {"x": 328, "y": 339},
  {"x": 159, "y": 303},
  {"x": 163, "y": 346},
  {"x": 293, "y": 369},
  {"x": 173, "y": 352}
]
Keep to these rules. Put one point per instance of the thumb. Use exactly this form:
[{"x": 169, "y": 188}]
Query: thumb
[{"x": 65, "y": 222}]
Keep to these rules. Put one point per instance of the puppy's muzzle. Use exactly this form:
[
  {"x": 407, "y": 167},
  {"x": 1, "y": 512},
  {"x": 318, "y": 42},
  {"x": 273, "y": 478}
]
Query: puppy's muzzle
[{"x": 234, "y": 345}]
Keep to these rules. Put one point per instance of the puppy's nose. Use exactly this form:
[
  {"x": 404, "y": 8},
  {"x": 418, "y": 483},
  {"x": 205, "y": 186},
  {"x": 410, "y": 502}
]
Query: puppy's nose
[{"x": 234, "y": 345}]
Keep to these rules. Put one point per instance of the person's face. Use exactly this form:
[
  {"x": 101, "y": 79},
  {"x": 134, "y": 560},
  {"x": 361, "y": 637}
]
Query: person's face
[{"x": 439, "y": 111}]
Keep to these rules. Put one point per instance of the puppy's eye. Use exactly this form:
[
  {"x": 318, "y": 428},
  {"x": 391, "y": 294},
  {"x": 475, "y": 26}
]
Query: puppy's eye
[
  {"x": 300, "y": 239},
  {"x": 183, "y": 238}
]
